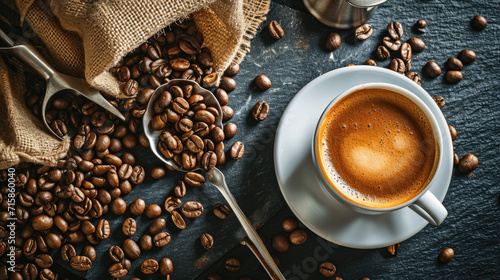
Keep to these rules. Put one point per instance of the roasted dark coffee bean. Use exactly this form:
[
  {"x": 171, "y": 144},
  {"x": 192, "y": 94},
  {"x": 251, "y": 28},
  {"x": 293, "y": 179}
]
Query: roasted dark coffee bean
[
  {"x": 453, "y": 76},
  {"x": 363, "y": 32},
  {"x": 221, "y": 96},
  {"x": 131, "y": 87},
  {"x": 192, "y": 209},
  {"x": 207, "y": 241},
  {"x": 102, "y": 230},
  {"x": 42, "y": 222},
  {"x": 327, "y": 269},
  {"x": 221, "y": 211},
  {"x": 395, "y": 30},
  {"x": 145, "y": 65},
  {"x": 392, "y": 45},
  {"x": 232, "y": 265},
  {"x": 138, "y": 175},
  {"x": 157, "y": 225},
  {"x": 214, "y": 277},
  {"x": 468, "y": 163},
  {"x": 298, "y": 236},
  {"x": 332, "y": 42},
  {"x": 383, "y": 53},
  {"x": 115, "y": 145},
  {"x": 162, "y": 238},
  {"x": 81, "y": 263},
  {"x": 117, "y": 271},
  {"x": 453, "y": 132},
  {"x": 289, "y": 224},
  {"x": 275, "y": 30},
  {"x": 406, "y": 52},
  {"x": 129, "y": 141},
  {"x": 227, "y": 83},
  {"x": 131, "y": 249},
  {"x": 149, "y": 266},
  {"x": 414, "y": 76},
  {"x": 179, "y": 64},
  {"x": 454, "y": 63},
  {"x": 178, "y": 220},
  {"x": 260, "y": 111},
  {"x": 137, "y": 207},
  {"x": 209, "y": 80},
  {"x": 188, "y": 160},
  {"x": 208, "y": 160},
  {"x": 52, "y": 240},
  {"x": 456, "y": 159},
  {"x": 371, "y": 62},
  {"x": 420, "y": 25},
  {"x": 204, "y": 116},
  {"x": 219, "y": 152},
  {"x": 237, "y": 150},
  {"x": 180, "y": 189},
  {"x": 166, "y": 267},
  {"x": 467, "y": 56},
  {"x": 89, "y": 252},
  {"x": 172, "y": 203},
  {"x": 129, "y": 227},
  {"x": 417, "y": 45},
  {"x": 393, "y": 249},
  {"x": 47, "y": 274},
  {"x": 158, "y": 172},
  {"x": 227, "y": 113},
  {"x": 118, "y": 206},
  {"x": 29, "y": 246},
  {"x": 123, "y": 74},
  {"x": 446, "y": 255},
  {"x": 30, "y": 272},
  {"x": 112, "y": 160},
  {"x": 128, "y": 158},
  {"x": 478, "y": 23},
  {"x": 233, "y": 69},
  {"x": 146, "y": 242},
  {"x": 217, "y": 134},
  {"x": 44, "y": 260},
  {"x": 194, "y": 179},
  {"x": 262, "y": 82},
  {"x": 398, "y": 65},
  {"x": 439, "y": 101},
  {"x": 124, "y": 172},
  {"x": 195, "y": 144},
  {"x": 432, "y": 69},
  {"x": 102, "y": 143},
  {"x": 152, "y": 211},
  {"x": 116, "y": 253},
  {"x": 280, "y": 243},
  {"x": 59, "y": 128}
]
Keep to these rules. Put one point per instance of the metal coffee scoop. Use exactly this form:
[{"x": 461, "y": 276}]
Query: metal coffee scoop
[
  {"x": 215, "y": 176},
  {"x": 56, "y": 82}
]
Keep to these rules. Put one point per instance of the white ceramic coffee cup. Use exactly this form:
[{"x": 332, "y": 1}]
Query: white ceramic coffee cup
[{"x": 424, "y": 203}]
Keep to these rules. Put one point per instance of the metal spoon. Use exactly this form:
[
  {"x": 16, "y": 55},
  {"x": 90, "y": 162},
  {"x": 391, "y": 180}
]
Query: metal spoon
[
  {"x": 215, "y": 176},
  {"x": 56, "y": 82}
]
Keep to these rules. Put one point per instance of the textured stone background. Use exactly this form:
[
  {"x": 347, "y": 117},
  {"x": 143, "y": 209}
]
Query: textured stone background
[{"x": 472, "y": 106}]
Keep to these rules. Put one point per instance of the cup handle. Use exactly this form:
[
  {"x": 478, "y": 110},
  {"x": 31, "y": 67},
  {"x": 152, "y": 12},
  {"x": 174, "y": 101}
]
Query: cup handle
[{"x": 430, "y": 208}]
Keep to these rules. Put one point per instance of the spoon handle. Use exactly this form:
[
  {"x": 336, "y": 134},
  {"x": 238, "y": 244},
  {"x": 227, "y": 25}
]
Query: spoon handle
[{"x": 216, "y": 178}]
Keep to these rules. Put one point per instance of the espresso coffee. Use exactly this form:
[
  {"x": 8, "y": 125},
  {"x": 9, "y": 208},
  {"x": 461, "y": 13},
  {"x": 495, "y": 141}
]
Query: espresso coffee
[{"x": 377, "y": 148}]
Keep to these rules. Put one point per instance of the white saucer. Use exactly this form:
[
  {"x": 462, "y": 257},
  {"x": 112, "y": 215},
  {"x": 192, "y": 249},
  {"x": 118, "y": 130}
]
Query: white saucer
[{"x": 300, "y": 187}]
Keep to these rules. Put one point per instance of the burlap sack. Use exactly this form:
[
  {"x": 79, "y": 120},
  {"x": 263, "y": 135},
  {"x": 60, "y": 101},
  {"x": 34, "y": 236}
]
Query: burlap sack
[{"x": 86, "y": 38}]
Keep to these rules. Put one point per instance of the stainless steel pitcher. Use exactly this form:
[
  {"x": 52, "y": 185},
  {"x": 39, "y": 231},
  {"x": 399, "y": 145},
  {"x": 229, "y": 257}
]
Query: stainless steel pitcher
[{"x": 342, "y": 14}]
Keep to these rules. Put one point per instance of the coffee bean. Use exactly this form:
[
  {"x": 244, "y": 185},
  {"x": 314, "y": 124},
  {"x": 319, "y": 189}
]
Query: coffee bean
[
  {"x": 137, "y": 207},
  {"x": 398, "y": 65},
  {"x": 118, "y": 206},
  {"x": 280, "y": 243},
  {"x": 117, "y": 271},
  {"x": 116, "y": 253},
  {"x": 131, "y": 249},
  {"x": 157, "y": 225},
  {"x": 332, "y": 42},
  {"x": 161, "y": 239},
  {"x": 29, "y": 247},
  {"x": 453, "y": 132},
  {"x": 417, "y": 45},
  {"x": 432, "y": 69},
  {"x": 178, "y": 220},
  {"x": 44, "y": 260},
  {"x": 468, "y": 163},
  {"x": 208, "y": 161},
  {"x": 207, "y": 241},
  {"x": 192, "y": 209},
  {"x": 393, "y": 249},
  {"x": 219, "y": 152},
  {"x": 232, "y": 265},
  {"x": 158, "y": 172},
  {"x": 456, "y": 159},
  {"x": 180, "y": 189},
  {"x": 214, "y": 277},
  {"x": 30, "y": 272},
  {"x": 59, "y": 128},
  {"x": 395, "y": 30},
  {"x": 172, "y": 203},
  {"x": 371, "y": 62},
  {"x": 146, "y": 242},
  {"x": 260, "y": 111},
  {"x": 149, "y": 266},
  {"x": 453, "y": 76},
  {"x": 42, "y": 222},
  {"x": 275, "y": 30},
  {"x": 131, "y": 87},
  {"x": 230, "y": 130},
  {"x": 129, "y": 227},
  {"x": 210, "y": 79},
  {"x": 237, "y": 150},
  {"x": 67, "y": 252},
  {"x": 406, "y": 52},
  {"x": 89, "y": 252},
  {"x": 467, "y": 56},
  {"x": 129, "y": 141},
  {"x": 454, "y": 63},
  {"x": 204, "y": 116},
  {"x": 166, "y": 267},
  {"x": 262, "y": 82},
  {"x": 81, "y": 263},
  {"x": 289, "y": 224},
  {"x": 414, "y": 76},
  {"x": 390, "y": 44},
  {"x": 363, "y": 32},
  {"x": 383, "y": 53},
  {"x": 152, "y": 211},
  {"x": 478, "y": 23},
  {"x": 327, "y": 269},
  {"x": 52, "y": 240},
  {"x": 446, "y": 255},
  {"x": 221, "y": 211},
  {"x": 47, "y": 274},
  {"x": 298, "y": 236},
  {"x": 420, "y": 25},
  {"x": 233, "y": 69},
  {"x": 227, "y": 83},
  {"x": 439, "y": 101},
  {"x": 102, "y": 230},
  {"x": 137, "y": 175},
  {"x": 194, "y": 179}
]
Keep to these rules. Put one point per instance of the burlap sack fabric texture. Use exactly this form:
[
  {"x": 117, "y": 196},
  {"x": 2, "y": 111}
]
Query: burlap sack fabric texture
[{"x": 87, "y": 38}]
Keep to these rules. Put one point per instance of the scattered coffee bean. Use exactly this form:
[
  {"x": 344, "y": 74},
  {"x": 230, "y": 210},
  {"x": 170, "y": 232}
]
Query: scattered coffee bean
[
  {"x": 454, "y": 63},
  {"x": 327, "y": 269},
  {"x": 172, "y": 203},
  {"x": 417, "y": 44},
  {"x": 228, "y": 84},
  {"x": 233, "y": 265},
  {"x": 194, "y": 179},
  {"x": 371, "y": 62},
  {"x": 102, "y": 229},
  {"x": 192, "y": 209},
  {"x": 262, "y": 82},
  {"x": 81, "y": 263},
  {"x": 131, "y": 249},
  {"x": 260, "y": 111},
  {"x": 468, "y": 163},
  {"x": 137, "y": 207},
  {"x": 478, "y": 23},
  {"x": 453, "y": 76},
  {"x": 116, "y": 253},
  {"x": 349, "y": 65},
  {"x": 161, "y": 239},
  {"x": 289, "y": 224},
  {"x": 414, "y": 76},
  {"x": 178, "y": 220},
  {"x": 233, "y": 69},
  {"x": 237, "y": 150},
  {"x": 117, "y": 271},
  {"x": 363, "y": 32},
  {"x": 149, "y": 266},
  {"x": 432, "y": 69},
  {"x": 280, "y": 243},
  {"x": 158, "y": 172},
  {"x": 439, "y": 101},
  {"x": 166, "y": 267},
  {"x": 129, "y": 227},
  {"x": 395, "y": 30},
  {"x": 383, "y": 53},
  {"x": 118, "y": 206},
  {"x": 157, "y": 225},
  {"x": 406, "y": 52},
  {"x": 390, "y": 44},
  {"x": 456, "y": 159},
  {"x": 393, "y": 249},
  {"x": 275, "y": 30},
  {"x": 146, "y": 242},
  {"x": 221, "y": 96},
  {"x": 398, "y": 65},
  {"x": 298, "y": 236},
  {"x": 467, "y": 56},
  {"x": 67, "y": 252},
  {"x": 221, "y": 211},
  {"x": 89, "y": 252},
  {"x": 446, "y": 255},
  {"x": 332, "y": 42},
  {"x": 230, "y": 130},
  {"x": 152, "y": 211},
  {"x": 420, "y": 26},
  {"x": 207, "y": 241},
  {"x": 180, "y": 189}
]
